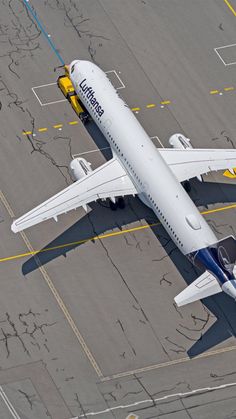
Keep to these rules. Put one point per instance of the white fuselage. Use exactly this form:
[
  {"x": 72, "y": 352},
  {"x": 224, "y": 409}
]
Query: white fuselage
[{"x": 155, "y": 182}]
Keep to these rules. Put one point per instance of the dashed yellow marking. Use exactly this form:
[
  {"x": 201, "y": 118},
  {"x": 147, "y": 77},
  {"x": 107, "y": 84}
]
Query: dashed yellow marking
[
  {"x": 230, "y": 7},
  {"x": 27, "y": 132},
  {"x": 42, "y": 129},
  {"x": 102, "y": 236},
  {"x": 148, "y": 106},
  {"x": 58, "y": 126},
  {"x": 151, "y": 105},
  {"x": 227, "y": 89}
]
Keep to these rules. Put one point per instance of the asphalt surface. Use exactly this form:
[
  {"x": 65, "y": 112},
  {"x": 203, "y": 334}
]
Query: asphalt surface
[{"x": 90, "y": 328}]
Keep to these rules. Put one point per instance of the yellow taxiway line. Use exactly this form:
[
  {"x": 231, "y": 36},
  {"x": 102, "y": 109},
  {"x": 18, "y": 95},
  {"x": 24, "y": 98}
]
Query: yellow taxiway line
[
  {"x": 151, "y": 105},
  {"x": 103, "y": 236},
  {"x": 58, "y": 126},
  {"x": 42, "y": 129},
  {"x": 165, "y": 102},
  {"x": 230, "y": 7},
  {"x": 228, "y": 89},
  {"x": 71, "y": 123}
]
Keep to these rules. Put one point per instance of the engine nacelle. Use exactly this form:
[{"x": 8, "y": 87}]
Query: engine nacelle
[
  {"x": 179, "y": 141},
  {"x": 79, "y": 168}
]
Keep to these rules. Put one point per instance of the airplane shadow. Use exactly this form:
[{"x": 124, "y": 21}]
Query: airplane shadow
[
  {"x": 101, "y": 219},
  {"x": 98, "y": 221},
  {"x": 221, "y": 305},
  {"x": 99, "y": 139},
  {"x": 207, "y": 193}
]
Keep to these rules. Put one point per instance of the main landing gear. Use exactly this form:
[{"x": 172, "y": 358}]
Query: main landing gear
[{"x": 120, "y": 203}]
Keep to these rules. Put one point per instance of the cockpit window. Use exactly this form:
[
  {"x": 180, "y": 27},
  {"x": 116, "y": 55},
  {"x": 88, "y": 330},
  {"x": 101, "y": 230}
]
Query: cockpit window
[{"x": 72, "y": 68}]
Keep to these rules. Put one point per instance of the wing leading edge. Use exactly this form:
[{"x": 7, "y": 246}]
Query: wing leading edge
[
  {"x": 188, "y": 163},
  {"x": 107, "y": 181}
]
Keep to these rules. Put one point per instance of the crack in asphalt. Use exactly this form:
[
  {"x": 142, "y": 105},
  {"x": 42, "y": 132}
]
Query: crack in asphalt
[
  {"x": 82, "y": 412},
  {"x": 163, "y": 279},
  {"x": 224, "y": 137},
  {"x": 125, "y": 334},
  {"x": 31, "y": 398},
  {"x": 37, "y": 146},
  {"x": 29, "y": 328},
  {"x": 145, "y": 389},
  {"x": 215, "y": 227},
  {"x": 180, "y": 349},
  {"x": 173, "y": 388},
  {"x": 196, "y": 329},
  {"x": 178, "y": 310},
  {"x": 20, "y": 38},
  {"x": 75, "y": 19}
]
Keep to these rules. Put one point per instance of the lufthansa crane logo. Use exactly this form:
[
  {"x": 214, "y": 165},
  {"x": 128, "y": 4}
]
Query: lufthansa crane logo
[{"x": 90, "y": 96}]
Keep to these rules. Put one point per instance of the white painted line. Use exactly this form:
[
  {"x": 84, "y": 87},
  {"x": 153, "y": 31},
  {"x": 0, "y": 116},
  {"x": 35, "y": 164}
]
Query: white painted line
[
  {"x": 55, "y": 101},
  {"x": 90, "y": 151},
  {"x": 225, "y": 46},
  {"x": 158, "y": 139},
  {"x": 33, "y": 89},
  {"x": 48, "y": 103},
  {"x": 122, "y": 85},
  {"x": 44, "y": 85},
  {"x": 8, "y": 404},
  {"x": 168, "y": 396}
]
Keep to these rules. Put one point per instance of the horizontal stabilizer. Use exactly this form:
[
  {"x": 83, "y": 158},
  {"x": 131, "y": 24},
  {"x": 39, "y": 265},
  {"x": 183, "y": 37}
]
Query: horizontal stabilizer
[{"x": 204, "y": 286}]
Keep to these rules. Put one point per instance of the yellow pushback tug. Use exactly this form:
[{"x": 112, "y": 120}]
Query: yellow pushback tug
[{"x": 65, "y": 85}]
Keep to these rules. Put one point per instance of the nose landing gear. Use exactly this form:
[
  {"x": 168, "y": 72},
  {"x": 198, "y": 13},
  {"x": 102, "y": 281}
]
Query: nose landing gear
[{"x": 120, "y": 203}]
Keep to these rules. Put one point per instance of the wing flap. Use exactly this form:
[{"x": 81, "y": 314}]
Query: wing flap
[
  {"x": 189, "y": 163},
  {"x": 107, "y": 181},
  {"x": 204, "y": 286}
]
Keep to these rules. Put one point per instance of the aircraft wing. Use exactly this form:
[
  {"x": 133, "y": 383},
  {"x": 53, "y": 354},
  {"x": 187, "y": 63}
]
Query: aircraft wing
[
  {"x": 204, "y": 286},
  {"x": 107, "y": 181},
  {"x": 188, "y": 163}
]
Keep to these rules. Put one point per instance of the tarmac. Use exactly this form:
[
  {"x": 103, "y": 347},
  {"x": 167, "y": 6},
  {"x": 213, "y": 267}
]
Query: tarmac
[{"x": 89, "y": 327}]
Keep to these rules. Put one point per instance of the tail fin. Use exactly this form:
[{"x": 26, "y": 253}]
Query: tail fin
[{"x": 204, "y": 286}]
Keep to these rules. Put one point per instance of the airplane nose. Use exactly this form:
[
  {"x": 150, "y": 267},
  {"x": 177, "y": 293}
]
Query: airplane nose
[{"x": 230, "y": 288}]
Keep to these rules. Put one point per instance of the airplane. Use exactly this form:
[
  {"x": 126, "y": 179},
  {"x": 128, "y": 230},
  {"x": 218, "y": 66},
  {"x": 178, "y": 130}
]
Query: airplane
[{"x": 155, "y": 175}]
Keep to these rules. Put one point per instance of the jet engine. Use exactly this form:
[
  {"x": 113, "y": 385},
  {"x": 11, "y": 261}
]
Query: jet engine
[
  {"x": 179, "y": 141},
  {"x": 79, "y": 168}
]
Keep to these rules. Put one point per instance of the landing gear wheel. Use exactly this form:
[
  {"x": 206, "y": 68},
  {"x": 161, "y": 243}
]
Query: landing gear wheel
[
  {"x": 187, "y": 186},
  {"x": 113, "y": 206},
  {"x": 121, "y": 203}
]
